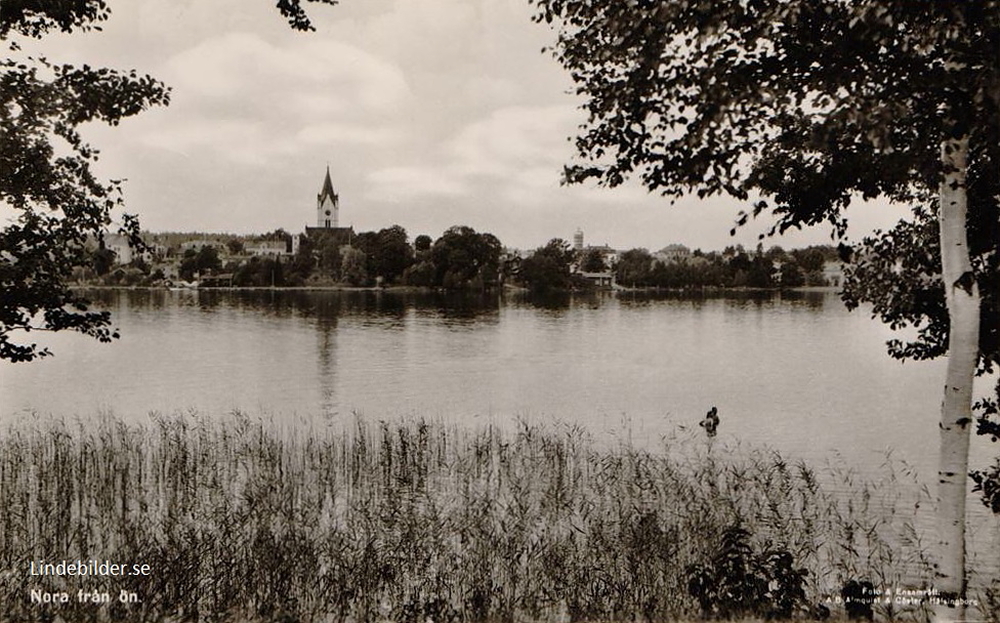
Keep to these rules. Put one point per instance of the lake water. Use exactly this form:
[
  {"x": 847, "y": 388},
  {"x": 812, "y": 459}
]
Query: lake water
[{"x": 795, "y": 371}]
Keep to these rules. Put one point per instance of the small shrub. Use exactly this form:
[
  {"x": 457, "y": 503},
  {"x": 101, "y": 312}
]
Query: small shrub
[{"x": 740, "y": 582}]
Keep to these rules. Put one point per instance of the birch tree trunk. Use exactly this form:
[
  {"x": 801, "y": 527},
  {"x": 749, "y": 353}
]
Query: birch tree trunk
[{"x": 962, "y": 297}]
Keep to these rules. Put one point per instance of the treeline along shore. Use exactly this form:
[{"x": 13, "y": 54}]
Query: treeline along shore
[
  {"x": 236, "y": 518},
  {"x": 460, "y": 259}
]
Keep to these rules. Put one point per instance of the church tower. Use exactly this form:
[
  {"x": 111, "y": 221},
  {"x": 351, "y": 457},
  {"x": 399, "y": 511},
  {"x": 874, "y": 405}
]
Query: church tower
[{"x": 327, "y": 205}]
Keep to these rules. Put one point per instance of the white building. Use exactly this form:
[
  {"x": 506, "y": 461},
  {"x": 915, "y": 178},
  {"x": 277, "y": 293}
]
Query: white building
[
  {"x": 672, "y": 253},
  {"x": 833, "y": 273},
  {"x": 266, "y": 248},
  {"x": 118, "y": 244},
  {"x": 125, "y": 254}
]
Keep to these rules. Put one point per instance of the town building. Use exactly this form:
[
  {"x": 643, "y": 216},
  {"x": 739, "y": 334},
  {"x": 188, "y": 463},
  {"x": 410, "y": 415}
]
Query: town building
[
  {"x": 199, "y": 243},
  {"x": 124, "y": 253},
  {"x": 578, "y": 240},
  {"x": 833, "y": 273},
  {"x": 120, "y": 246},
  {"x": 672, "y": 253},
  {"x": 265, "y": 248},
  {"x": 604, "y": 279}
]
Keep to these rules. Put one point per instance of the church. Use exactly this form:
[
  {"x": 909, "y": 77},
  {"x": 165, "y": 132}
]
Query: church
[{"x": 327, "y": 218}]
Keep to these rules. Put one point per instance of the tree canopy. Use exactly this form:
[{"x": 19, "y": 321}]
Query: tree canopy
[
  {"x": 548, "y": 268},
  {"x": 45, "y": 168},
  {"x": 389, "y": 253},
  {"x": 462, "y": 256},
  {"x": 807, "y": 104},
  {"x": 34, "y": 18},
  {"x": 799, "y": 108},
  {"x": 592, "y": 261}
]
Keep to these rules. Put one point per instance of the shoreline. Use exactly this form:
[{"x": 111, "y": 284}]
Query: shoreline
[{"x": 405, "y": 289}]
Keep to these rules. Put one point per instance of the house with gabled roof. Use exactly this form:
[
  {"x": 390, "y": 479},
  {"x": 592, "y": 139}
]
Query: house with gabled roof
[{"x": 672, "y": 253}]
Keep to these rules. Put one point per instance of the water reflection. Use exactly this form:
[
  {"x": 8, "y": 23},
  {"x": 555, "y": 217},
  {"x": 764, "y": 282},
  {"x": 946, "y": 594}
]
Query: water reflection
[
  {"x": 448, "y": 304},
  {"x": 462, "y": 307},
  {"x": 735, "y": 299},
  {"x": 391, "y": 308},
  {"x": 552, "y": 301},
  {"x": 810, "y": 299},
  {"x": 327, "y": 311}
]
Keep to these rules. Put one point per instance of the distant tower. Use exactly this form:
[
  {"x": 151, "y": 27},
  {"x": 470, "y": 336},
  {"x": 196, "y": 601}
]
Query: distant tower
[
  {"x": 327, "y": 204},
  {"x": 578, "y": 239}
]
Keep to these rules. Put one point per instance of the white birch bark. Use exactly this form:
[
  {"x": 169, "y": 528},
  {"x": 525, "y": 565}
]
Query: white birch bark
[{"x": 962, "y": 298}]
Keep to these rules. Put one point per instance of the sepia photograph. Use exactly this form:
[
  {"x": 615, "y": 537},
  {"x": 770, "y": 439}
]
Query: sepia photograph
[{"x": 499, "y": 311}]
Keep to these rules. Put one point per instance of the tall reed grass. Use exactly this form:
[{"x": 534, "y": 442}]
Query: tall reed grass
[{"x": 408, "y": 521}]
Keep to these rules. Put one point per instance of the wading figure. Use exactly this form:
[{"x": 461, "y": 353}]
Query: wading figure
[{"x": 711, "y": 422}]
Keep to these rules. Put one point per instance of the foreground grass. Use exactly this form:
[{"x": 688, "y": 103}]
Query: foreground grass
[{"x": 412, "y": 521}]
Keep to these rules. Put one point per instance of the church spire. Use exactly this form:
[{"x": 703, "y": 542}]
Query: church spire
[
  {"x": 327, "y": 191},
  {"x": 327, "y": 204}
]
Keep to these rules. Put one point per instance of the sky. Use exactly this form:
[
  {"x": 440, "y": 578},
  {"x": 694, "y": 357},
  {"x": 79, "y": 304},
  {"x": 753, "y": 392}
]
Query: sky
[{"x": 428, "y": 113}]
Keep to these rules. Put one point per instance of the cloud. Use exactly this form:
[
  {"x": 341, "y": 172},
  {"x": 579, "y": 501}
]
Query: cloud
[
  {"x": 251, "y": 100},
  {"x": 234, "y": 65},
  {"x": 513, "y": 155},
  {"x": 485, "y": 91},
  {"x": 236, "y": 134},
  {"x": 406, "y": 183},
  {"x": 515, "y": 139},
  {"x": 421, "y": 34},
  {"x": 328, "y": 133}
]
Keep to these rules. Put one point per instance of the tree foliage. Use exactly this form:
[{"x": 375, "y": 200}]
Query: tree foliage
[
  {"x": 260, "y": 272},
  {"x": 35, "y": 18},
  {"x": 806, "y": 106},
  {"x": 895, "y": 271},
  {"x": 765, "y": 97},
  {"x": 199, "y": 262},
  {"x": 45, "y": 169},
  {"x": 634, "y": 267},
  {"x": 353, "y": 267},
  {"x": 800, "y": 107},
  {"x": 791, "y": 275},
  {"x": 592, "y": 261},
  {"x": 462, "y": 257},
  {"x": 327, "y": 252},
  {"x": 296, "y": 15},
  {"x": 45, "y": 175},
  {"x": 389, "y": 253},
  {"x": 422, "y": 243},
  {"x": 548, "y": 268}
]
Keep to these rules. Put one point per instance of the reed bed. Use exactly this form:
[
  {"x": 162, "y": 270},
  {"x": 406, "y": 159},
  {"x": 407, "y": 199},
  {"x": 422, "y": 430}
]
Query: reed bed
[{"x": 240, "y": 520}]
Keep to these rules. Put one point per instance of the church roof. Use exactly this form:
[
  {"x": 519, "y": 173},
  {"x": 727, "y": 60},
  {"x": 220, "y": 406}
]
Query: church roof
[
  {"x": 341, "y": 235},
  {"x": 327, "y": 192}
]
